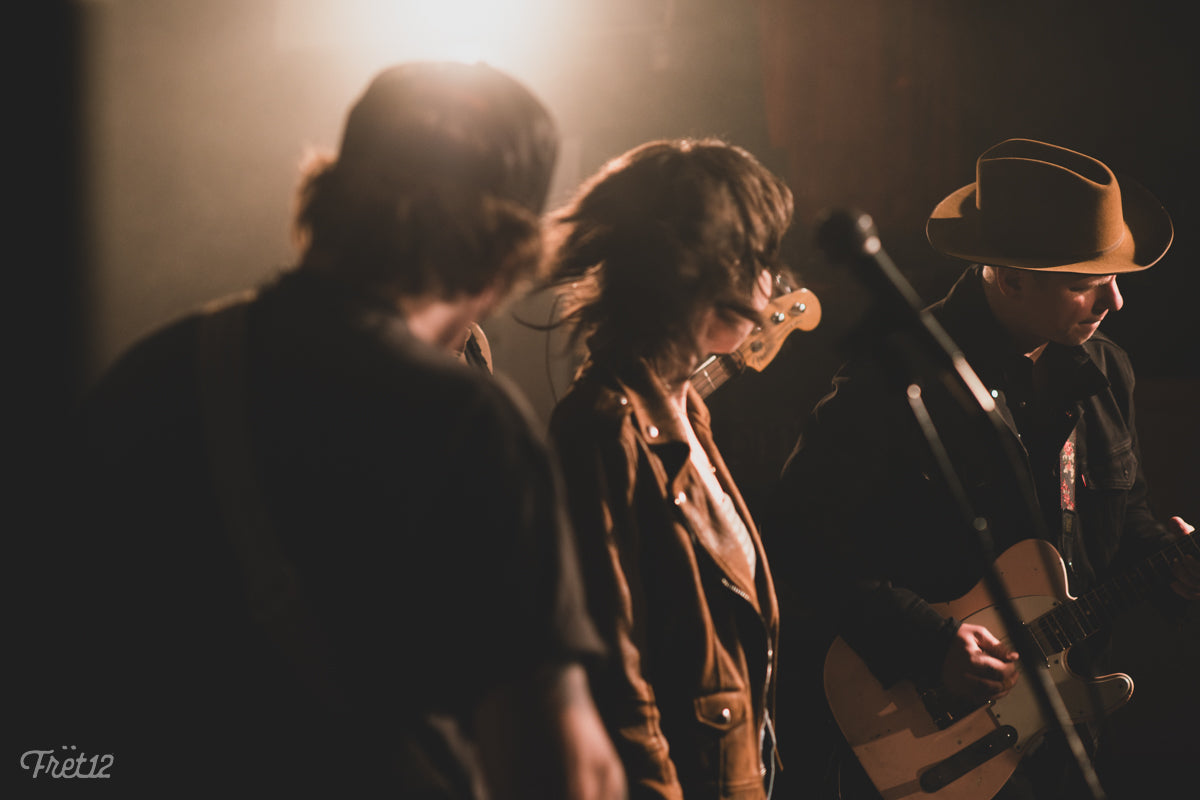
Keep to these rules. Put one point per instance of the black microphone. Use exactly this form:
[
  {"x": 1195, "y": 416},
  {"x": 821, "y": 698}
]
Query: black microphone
[{"x": 849, "y": 237}]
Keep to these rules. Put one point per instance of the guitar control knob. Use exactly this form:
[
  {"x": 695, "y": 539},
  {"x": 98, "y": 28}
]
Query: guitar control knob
[
  {"x": 777, "y": 317},
  {"x": 756, "y": 346},
  {"x": 799, "y": 308}
]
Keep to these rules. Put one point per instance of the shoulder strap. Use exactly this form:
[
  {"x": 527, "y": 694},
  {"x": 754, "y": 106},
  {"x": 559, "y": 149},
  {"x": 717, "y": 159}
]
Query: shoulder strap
[
  {"x": 271, "y": 581},
  {"x": 1068, "y": 543}
]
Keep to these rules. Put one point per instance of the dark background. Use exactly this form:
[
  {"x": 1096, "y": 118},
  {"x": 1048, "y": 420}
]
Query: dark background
[{"x": 162, "y": 139}]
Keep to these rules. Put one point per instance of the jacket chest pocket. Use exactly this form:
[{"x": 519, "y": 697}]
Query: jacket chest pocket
[
  {"x": 731, "y": 747},
  {"x": 1107, "y": 479},
  {"x": 1112, "y": 469}
]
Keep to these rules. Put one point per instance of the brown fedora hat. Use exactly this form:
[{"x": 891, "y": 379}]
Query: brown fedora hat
[{"x": 1038, "y": 206}]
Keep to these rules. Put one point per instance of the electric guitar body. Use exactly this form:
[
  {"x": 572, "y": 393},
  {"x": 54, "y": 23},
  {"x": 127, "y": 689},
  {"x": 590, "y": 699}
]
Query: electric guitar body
[{"x": 915, "y": 744}]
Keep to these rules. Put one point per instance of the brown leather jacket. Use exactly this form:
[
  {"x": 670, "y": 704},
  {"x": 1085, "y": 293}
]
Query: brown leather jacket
[{"x": 691, "y": 631}]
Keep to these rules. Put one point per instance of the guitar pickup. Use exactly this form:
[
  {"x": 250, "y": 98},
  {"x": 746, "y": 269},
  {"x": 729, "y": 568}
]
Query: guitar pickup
[
  {"x": 951, "y": 769},
  {"x": 945, "y": 709}
]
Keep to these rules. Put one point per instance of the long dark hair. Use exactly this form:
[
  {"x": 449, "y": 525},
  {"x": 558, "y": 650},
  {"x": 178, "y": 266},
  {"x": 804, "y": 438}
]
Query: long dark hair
[
  {"x": 659, "y": 235},
  {"x": 437, "y": 187}
]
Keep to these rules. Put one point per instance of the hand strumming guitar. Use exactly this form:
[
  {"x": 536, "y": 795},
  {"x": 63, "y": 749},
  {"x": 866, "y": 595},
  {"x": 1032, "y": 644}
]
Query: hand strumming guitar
[{"x": 979, "y": 666}]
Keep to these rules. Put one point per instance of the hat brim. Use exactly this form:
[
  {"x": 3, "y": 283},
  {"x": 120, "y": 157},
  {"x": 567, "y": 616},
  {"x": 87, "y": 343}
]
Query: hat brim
[{"x": 954, "y": 228}]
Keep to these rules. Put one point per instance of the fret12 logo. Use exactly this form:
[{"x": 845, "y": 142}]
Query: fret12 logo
[{"x": 70, "y": 765}]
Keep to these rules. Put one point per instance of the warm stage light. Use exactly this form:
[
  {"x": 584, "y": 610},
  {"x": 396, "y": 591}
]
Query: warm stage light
[
  {"x": 465, "y": 30},
  {"x": 507, "y": 33}
]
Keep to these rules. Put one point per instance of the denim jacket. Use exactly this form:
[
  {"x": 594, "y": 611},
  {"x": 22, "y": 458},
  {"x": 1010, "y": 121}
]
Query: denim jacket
[{"x": 882, "y": 537}]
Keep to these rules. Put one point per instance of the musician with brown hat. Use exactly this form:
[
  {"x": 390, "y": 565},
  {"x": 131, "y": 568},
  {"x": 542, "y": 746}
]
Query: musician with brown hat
[{"x": 1047, "y": 231}]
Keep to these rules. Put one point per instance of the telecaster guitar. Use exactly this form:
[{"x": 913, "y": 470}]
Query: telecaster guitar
[
  {"x": 798, "y": 310},
  {"x": 916, "y": 744}
]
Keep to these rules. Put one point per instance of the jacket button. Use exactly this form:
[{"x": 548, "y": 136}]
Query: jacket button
[
  {"x": 624, "y": 400},
  {"x": 651, "y": 431},
  {"x": 680, "y": 498},
  {"x": 726, "y": 715}
]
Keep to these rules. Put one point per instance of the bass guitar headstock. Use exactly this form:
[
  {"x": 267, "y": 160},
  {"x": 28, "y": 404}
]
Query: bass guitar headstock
[{"x": 796, "y": 310}]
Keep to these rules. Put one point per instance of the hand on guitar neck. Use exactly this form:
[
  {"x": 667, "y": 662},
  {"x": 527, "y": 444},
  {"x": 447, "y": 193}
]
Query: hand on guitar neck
[{"x": 1187, "y": 569}]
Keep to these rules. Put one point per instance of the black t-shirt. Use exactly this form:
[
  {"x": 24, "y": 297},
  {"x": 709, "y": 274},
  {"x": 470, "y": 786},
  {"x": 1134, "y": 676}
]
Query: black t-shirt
[{"x": 418, "y": 506}]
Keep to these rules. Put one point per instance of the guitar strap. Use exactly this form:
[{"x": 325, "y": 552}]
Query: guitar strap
[
  {"x": 271, "y": 582},
  {"x": 1066, "y": 490}
]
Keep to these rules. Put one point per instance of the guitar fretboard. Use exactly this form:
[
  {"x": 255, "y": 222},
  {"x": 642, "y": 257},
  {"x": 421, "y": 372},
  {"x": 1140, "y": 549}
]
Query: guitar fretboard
[
  {"x": 714, "y": 372},
  {"x": 1068, "y": 624}
]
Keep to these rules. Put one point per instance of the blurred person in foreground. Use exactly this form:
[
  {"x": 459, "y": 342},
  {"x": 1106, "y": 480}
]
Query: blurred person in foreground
[{"x": 328, "y": 556}]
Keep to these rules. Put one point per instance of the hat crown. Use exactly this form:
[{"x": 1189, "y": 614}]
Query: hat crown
[
  {"x": 1039, "y": 200},
  {"x": 1039, "y": 206}
]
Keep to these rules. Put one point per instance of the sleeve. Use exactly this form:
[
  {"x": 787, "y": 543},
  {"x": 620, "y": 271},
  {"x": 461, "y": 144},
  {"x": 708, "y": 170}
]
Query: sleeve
[
  {"x": 1140, "y": 531},
  {"x": 599, "y": 471},
  {"x": 537, "y": 569},
  {"x": 841, "y": 531},
  {"x": 1142, "y": 528}
]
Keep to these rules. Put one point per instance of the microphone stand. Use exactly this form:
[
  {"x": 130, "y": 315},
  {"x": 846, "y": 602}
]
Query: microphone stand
[{"x": 922, "y": 347}]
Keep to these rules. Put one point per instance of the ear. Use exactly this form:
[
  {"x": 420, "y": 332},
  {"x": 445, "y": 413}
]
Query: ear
[{"x": 1011, "y": 282}]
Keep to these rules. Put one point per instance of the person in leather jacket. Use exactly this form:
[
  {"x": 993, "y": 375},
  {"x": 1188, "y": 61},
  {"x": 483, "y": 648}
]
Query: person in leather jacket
[{"x": 667, "y": 255}]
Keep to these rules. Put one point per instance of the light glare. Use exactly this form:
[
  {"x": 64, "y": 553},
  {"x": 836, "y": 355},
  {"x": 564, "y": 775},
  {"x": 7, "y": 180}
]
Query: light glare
[{"x": 501, "y": 33}]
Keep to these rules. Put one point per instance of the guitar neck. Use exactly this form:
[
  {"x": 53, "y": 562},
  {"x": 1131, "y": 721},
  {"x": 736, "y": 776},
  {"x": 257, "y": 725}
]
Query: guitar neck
[
  {"x": 715, "y": 371},
  {"x": 1068, "y": 624}
]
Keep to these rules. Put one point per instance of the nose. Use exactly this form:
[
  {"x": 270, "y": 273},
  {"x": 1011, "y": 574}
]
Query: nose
[{"x": 1110, "y": 298}]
